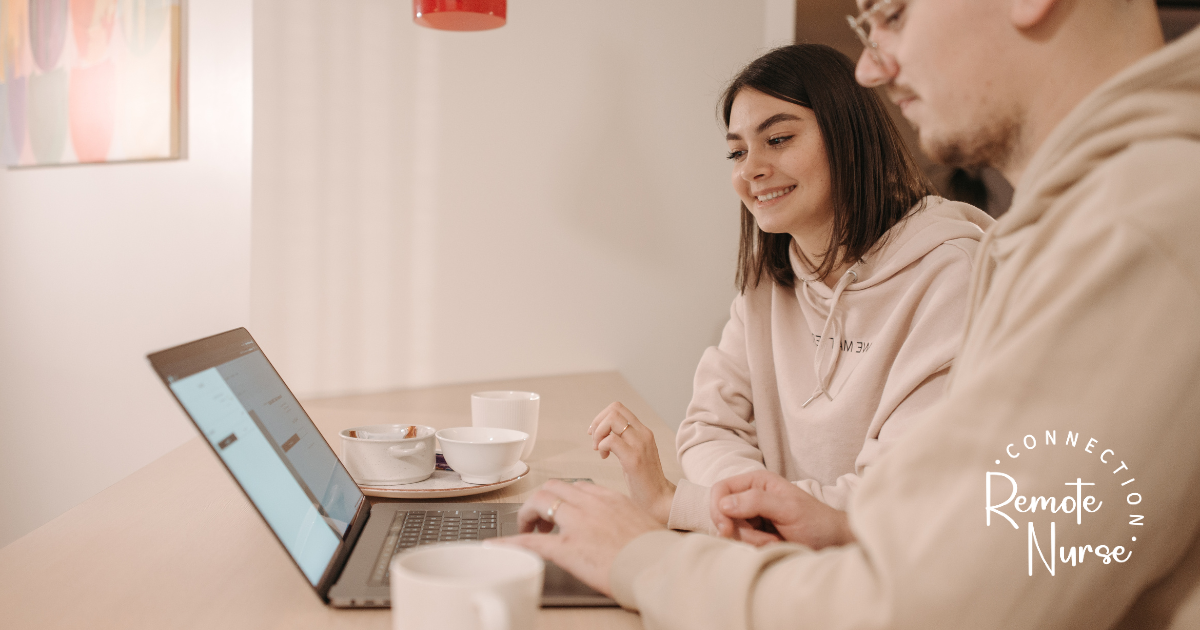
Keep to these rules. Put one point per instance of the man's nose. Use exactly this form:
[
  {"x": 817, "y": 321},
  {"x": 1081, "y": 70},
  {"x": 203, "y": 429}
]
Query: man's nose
[{"x": 875, "y": 69}]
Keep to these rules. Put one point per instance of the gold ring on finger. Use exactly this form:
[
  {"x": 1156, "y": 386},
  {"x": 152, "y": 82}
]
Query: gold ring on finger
[
  {"x": 553, "y": 508},
  {"x": 622, "y": 431}
]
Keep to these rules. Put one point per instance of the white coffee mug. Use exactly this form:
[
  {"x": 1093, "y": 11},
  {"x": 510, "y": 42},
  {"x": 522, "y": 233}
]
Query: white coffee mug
[
  {"x": 466, "y": 586},
  {"x": 507, "y": 410}
]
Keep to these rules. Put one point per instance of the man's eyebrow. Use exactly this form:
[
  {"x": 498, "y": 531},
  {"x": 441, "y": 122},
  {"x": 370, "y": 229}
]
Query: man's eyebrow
[{"x": 766, "y": 124}]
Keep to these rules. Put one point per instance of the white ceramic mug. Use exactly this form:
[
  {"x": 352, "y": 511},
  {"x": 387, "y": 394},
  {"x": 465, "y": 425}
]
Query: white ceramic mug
[
  {"x": 482, "y": 455},
  {"x": 507, "y": 410},
  {"x": 466, "y": 586},
  {"x": 380, "y": 454}
]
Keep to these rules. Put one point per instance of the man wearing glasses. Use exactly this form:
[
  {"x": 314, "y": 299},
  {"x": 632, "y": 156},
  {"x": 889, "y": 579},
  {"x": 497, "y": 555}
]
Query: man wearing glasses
[{"x": 1057, "y": 485}]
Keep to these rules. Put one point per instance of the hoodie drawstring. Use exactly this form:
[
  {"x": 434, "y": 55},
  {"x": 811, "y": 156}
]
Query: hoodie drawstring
[{"x": 823, "y": 377}]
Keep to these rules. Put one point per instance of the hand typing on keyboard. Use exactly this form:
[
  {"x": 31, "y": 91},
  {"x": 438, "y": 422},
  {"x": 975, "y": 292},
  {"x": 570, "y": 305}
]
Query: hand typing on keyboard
[{"x": 594, "y": 525}]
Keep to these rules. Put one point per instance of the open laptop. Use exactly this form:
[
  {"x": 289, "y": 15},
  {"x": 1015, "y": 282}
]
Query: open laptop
[{"x": 340, "y": 542}]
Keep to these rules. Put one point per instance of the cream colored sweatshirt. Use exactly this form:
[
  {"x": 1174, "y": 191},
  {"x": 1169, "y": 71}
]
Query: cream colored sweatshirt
[
  {"x": 1081, "y": 365},
  {"x": 814, "y": 383}
]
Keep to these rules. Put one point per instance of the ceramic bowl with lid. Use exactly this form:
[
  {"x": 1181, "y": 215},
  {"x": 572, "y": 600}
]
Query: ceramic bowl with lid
[{"x": 388, "y": 454}]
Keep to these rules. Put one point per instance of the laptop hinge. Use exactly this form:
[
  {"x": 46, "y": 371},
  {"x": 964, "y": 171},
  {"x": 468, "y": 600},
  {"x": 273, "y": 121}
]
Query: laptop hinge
[{"x": 334, "y": 570}]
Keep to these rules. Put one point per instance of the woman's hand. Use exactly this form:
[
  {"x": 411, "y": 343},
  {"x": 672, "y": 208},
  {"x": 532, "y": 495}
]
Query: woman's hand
[
  {"x": 616, "y": 430},
  {"x": 594, "y": 524},
  {"x": 794, "y": 513}
]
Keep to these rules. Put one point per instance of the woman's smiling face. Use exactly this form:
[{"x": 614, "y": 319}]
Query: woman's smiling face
[{"x": 780, "y": 170}]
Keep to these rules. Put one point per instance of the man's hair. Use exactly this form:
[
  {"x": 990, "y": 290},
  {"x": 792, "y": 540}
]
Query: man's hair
[{"x": 875, "y": 180}]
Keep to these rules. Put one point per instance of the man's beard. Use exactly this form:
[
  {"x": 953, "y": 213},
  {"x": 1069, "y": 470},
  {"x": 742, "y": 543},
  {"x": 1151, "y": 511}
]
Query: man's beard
[{"x": 993, "y": 144}]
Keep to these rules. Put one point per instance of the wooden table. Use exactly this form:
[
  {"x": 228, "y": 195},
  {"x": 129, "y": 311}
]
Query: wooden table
[{"x": 177, "y": 545}]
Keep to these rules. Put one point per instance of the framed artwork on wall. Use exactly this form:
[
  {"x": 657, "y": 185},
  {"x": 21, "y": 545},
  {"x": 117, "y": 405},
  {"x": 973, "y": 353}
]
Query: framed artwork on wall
[{"x": 87, "y": 81}]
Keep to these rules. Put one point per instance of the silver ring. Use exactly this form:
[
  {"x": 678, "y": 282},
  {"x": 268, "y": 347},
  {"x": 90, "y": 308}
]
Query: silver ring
[
  {"x": 552, "y": 510},
  {"x": 622, "y": 431}
]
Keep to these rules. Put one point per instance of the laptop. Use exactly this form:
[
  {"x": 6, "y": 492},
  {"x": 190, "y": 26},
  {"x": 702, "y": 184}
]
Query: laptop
[{"x": 339, "y": 541}]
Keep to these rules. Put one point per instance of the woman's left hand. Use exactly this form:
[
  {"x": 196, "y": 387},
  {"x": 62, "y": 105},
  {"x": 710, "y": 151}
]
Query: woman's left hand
[{"x": 616, "y": 430}]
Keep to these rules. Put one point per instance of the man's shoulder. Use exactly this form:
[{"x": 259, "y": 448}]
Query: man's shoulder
[
  {"x": 1146, "y": 196},
  {"x": 1150, "y": 180},
  {"x": 1153, "y": 187}
]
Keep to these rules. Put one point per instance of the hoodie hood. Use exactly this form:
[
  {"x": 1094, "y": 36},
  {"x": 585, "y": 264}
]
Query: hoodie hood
[
  {"x": 926, "y": 227},
  {"x": 1157, "y": 97}
]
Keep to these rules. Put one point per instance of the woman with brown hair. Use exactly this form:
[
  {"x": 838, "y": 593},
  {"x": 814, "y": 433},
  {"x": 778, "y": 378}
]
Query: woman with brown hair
[{"x": 852, "y": 282}]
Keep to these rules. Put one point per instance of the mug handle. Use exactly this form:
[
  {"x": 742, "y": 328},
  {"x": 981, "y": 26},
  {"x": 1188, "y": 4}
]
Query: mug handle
[
  {"x": 404, "y": 451},
  {"x": 493, "y": 612}
]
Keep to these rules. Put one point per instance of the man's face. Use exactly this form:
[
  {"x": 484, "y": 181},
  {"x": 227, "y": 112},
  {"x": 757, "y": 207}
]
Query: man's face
[{"x": 942, "y": 65}]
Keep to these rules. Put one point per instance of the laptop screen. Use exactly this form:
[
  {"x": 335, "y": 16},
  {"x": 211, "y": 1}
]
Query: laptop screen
[{"x": 267, "y": 441}]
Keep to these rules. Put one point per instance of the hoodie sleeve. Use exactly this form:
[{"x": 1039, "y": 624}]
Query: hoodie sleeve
[
  {"x": 690, "y": 506},
  {"x": 718, "y": 438}
]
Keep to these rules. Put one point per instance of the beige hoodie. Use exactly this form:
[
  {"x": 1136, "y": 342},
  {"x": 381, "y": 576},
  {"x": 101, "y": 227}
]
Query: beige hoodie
[
  {"x": 1086, "y": 325},
  {"x": 773, "y": 395}
]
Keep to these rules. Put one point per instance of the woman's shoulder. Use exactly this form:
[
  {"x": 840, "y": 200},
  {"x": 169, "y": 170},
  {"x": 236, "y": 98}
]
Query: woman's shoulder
[
  {"x": 953, "y": 252},
  {"x": 954, "y": 258},
  {"x": 963, "y": 226},
  {"x": 938, "y": 234},
  {"x": 758, "y": 296},
  {"x": 940, "y": 209},
  {"x": 760, "y": 301}
]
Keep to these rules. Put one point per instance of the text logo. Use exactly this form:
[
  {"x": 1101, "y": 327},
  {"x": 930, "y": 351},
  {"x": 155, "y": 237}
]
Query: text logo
[{"x": 1005, "y": 505}]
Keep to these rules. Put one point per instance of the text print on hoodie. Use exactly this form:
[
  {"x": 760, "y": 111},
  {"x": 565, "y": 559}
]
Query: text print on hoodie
[{"x": 813, "y": 382}]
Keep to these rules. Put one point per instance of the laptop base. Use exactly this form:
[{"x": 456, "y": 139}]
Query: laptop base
[{"x": 359, "y": 587}]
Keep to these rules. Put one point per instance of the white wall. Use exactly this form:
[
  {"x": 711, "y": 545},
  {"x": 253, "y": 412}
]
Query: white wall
[
  {"x": 100, "y": 265},
  {"x": 549, "y": 197},
  {"x": 427, "y": 207},
  {"x": 779, "y": 22}
]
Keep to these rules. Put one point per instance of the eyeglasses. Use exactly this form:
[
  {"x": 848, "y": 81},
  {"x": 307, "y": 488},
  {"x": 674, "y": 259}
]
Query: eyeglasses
[{"x": 883, "y": 16}]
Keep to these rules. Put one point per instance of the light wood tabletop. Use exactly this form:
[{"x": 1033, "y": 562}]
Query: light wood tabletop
[{"x": 177, "y": 545}]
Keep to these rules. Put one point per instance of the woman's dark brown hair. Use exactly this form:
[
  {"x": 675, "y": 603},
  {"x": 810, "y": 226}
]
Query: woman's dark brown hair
[{"x": 875, "y": 180}]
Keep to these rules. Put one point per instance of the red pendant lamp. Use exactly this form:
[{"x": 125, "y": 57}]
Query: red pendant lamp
[{"x": 460, "y": 15}]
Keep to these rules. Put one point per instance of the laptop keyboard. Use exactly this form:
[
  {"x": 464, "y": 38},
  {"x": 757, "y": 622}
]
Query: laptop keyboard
[{"x": 425, "y": 527}]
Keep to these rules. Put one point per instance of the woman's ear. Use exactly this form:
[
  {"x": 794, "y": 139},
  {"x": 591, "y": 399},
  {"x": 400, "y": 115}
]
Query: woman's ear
[{"x": 1026, "y": 14}]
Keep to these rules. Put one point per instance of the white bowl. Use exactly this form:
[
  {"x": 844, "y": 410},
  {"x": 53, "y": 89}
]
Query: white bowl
[
  {"x": 380, "y": 454},
  {"x": 481, "y": 454}
]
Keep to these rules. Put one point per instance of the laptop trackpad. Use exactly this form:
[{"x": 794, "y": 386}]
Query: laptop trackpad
[{"x": 561, "y": 588}]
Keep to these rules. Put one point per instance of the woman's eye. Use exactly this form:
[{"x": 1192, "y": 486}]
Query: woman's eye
[
  {"x": 779, "y": 140},
  {"x": 892, "y": 17},
  {"x": 735, "y": 155}
]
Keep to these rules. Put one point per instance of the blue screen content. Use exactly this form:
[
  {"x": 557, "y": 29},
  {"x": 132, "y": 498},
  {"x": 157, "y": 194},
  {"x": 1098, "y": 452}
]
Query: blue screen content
[{"x": 276, "y": 454}]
